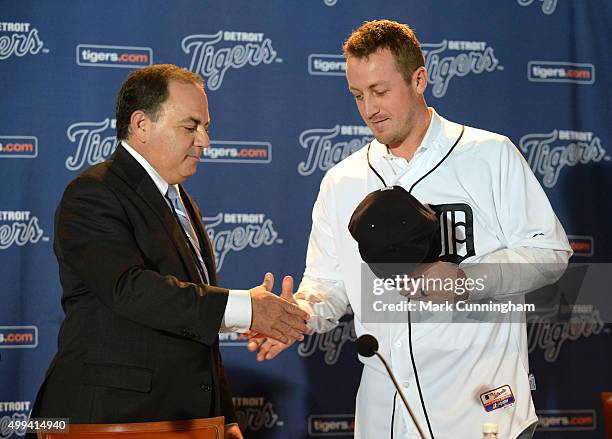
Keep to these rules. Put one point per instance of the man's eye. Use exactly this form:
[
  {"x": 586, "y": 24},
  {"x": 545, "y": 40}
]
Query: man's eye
[
  {"x": 380, "y": 92},
  {"x": 190, "y": 129},
  {"x": 358, "y": 97}
]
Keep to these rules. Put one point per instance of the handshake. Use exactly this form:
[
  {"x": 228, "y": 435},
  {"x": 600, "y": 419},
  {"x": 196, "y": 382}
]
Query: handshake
[{"x": 276, "y": 321}]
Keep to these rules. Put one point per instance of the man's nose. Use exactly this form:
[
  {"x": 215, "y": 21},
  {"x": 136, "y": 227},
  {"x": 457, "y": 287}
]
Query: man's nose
[
  {"x": 371, "y": 107},
  {"x": 202, "y": 140}
]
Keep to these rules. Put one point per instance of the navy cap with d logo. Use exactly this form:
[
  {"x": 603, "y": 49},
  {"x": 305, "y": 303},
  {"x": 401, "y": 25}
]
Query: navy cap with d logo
[{"x": 395, "y": 231}]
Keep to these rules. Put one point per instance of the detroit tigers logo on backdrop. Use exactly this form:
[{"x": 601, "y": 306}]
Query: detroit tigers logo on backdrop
[
  {"x": 16, "y": 411},
  {"x": 330, "y": 343},
  {"x": 93, "y": 143},
  {"x": 548, "y": 6},
  {"x": 549, "y": 334},
  {"x": 456, "y": 231},
  {"x": 255, "y": 413},
  {"x": 19, "y": 39},
  {"x": 549, "y": 153},
  {"x": 233, "y": 232},
  {"x": 212, "y": 55},
  {"x": 19, "y": 227},
  {"x": 451, "y": 58},
  {"x": 327, "y": 146}
]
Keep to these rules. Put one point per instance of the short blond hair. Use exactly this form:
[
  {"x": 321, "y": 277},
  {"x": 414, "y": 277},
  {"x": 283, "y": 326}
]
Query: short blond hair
[{"x": 386, "y": 34}]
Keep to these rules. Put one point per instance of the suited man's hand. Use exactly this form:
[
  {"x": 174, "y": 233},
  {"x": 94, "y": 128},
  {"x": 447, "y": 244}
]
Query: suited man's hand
[
  {"x": 267, "y": 348},
  {"x": 232, "y": 431},
  {"x": 275, "y": 317}
]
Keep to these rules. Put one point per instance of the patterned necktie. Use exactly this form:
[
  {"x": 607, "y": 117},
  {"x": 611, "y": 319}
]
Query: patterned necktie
[{"x": 179, "y": 209}]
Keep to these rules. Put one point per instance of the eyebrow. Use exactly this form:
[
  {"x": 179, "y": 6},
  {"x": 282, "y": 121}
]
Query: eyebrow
[
  {"x": 191, "y": 119},
  {"x": 376, "y": 84}
]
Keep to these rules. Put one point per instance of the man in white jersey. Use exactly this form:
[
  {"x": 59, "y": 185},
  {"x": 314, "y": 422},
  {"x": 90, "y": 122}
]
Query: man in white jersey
[{"x": 483, "y": 190}]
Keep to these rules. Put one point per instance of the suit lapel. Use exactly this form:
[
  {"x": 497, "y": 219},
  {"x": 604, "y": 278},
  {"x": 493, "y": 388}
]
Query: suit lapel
[{"x": 126, "y": 167}]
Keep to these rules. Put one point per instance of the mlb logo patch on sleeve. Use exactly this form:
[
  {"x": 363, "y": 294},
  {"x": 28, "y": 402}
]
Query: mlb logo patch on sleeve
[{"x": 497, "y": 398}]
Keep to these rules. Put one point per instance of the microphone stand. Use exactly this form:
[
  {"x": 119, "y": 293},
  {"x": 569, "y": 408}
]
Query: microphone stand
[{"x": 401, "y": 394}]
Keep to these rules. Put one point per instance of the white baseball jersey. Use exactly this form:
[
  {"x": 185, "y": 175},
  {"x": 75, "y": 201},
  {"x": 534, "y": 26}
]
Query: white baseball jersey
[{"x": 486, "y": 186}]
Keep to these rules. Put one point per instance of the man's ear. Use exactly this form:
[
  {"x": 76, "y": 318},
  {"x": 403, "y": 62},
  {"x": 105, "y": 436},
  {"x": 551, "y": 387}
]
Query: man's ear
[
  {"x": 140, "y": 126},
  {"x": 419, "y": 80}
]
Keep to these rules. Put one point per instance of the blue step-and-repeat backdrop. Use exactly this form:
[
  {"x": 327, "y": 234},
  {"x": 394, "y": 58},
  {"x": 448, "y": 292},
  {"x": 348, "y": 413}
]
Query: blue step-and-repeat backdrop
[{"x": 537, "y": 71}]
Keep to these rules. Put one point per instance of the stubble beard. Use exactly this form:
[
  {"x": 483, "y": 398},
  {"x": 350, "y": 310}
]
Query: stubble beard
[{"x": 391, "y": 139}]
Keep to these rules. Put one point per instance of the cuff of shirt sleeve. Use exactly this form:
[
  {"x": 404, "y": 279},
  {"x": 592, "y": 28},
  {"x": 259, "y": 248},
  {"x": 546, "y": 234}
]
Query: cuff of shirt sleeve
[
  {"x": 316, "y": 323},
  {"x": 237, "y": 317}
]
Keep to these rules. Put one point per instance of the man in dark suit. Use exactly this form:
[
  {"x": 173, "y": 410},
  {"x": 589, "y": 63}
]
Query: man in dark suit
[{"x": 139, "y": 341}]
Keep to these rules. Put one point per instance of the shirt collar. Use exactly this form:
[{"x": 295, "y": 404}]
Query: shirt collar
[{"x": 161, "y": 184}]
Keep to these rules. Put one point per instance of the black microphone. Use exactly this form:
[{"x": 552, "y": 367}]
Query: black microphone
[{"x": 367, "y": 346}]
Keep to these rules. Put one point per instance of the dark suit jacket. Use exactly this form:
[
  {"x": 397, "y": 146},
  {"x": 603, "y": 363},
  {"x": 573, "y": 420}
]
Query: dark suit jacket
[{"x": 139, "y": 341}]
